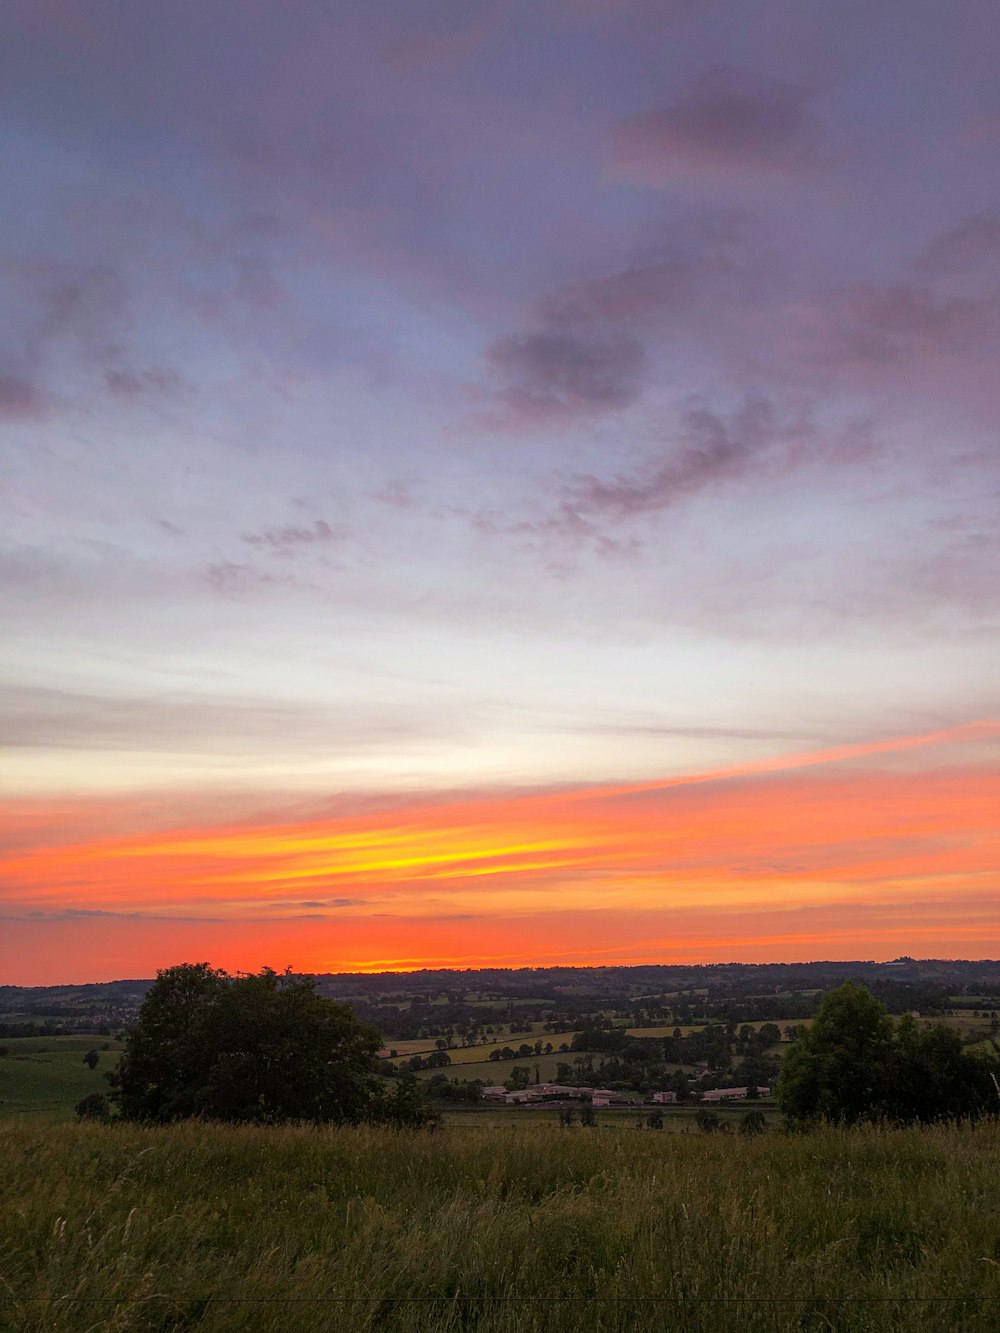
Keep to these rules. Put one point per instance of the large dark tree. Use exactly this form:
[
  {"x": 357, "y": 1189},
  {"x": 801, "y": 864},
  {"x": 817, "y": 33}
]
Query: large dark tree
[
  {"x": 852, "y": 1065},
  {"x": 257, "y": 1048}
]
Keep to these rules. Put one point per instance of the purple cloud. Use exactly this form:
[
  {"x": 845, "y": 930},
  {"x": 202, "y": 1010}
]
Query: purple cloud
[
  {"x": 963, "y": 248},
  {"x": 728, "y": 124},
  {"x": 19, "y": 400},
  {"x": 556, "y": 374},
  {"x": 710, "y": 450},
  {"x": 137, "y": 384},
  {"x": 284, "y": 541}
]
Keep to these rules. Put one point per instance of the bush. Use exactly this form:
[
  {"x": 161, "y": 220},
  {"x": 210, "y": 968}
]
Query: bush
[
  {"x": 754, "y": 1122},
  {"x": 95, "y": 1106}
]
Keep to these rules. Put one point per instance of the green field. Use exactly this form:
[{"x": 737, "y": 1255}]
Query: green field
[
  {"x": 46, "y": 1076},
  {"x": 475, "y": 1054},
  {"x": 521, "y": 1230},
  {"x": 676, "y": 1119},
  {"x": 496, "y": 1071}
]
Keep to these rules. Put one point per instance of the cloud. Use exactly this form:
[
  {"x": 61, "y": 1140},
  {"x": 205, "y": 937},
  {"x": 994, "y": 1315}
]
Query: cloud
[
  {"x": 559, "y": 374},
  {"x": 231, "y": 579},
  {"x": 729, "y": 124},
  {"x": 631, "y": 294},
  {"x": 285, "y": 541},
  {"x": 967, "y": 246},
  {"x": 890, "y": 323},
  {"x": 426, "y": 50},
  {"x": 710, "y": 450},
  {"x": 35, "y": 717},
  {"x": 777, "y": 830},
  {"x": 584, "y": 352},
  {"x": 132, "y": 384},
  {"x": 19, "y": 400}
]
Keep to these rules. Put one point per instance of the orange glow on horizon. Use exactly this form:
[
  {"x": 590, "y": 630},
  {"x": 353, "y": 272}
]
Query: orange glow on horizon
[{"x": 800, "y": 853}]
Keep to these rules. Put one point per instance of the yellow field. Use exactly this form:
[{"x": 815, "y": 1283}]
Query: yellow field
[
  {"x": 462, "y": 1055},
  {"x": 496, "y": 1071},
  {"x": 667, "y": 1029}
]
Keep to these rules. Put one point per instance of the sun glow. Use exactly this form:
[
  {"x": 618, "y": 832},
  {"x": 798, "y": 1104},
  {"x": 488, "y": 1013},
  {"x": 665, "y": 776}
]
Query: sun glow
[{"x": 634, "y": 868}]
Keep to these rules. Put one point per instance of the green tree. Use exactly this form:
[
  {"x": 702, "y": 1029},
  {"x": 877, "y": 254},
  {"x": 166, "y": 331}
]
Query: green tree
[
  {"x": 91, "y": 1059},
  {"x": 588, "y": 1117},
  {"x": 655, "y": 1120},
  {"x": 852, "y": 1065},
  {"x": 259, "y": 1047},
  {"x": 837, "y": 1069},
  {"x": 933, "y": 1078},
  {"x": 708, "y": 1121}
]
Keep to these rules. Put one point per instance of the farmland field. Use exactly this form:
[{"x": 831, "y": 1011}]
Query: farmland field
[
  {"x": 492, "y": 1230},
  {"x": 46, "y": 1076},
  {"x": 495, "y": 1071}
]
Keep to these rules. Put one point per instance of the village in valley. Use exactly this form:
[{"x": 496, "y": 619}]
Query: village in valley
[{"x": 652, "y": 1047}]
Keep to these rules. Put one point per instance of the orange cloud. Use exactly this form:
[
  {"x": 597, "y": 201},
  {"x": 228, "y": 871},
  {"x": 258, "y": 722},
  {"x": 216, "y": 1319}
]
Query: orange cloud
[{"x": 819, "y": 854}]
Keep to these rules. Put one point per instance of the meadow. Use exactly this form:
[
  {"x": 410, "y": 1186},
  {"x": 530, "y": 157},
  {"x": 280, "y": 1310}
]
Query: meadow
[
  {"x": 118, "y": 1229},
  {"x": 46, "y": 1076}
]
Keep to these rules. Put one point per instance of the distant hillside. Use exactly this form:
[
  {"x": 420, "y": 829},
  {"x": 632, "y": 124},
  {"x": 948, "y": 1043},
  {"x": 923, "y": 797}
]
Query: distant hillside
[{"x": 960, "y": 976}]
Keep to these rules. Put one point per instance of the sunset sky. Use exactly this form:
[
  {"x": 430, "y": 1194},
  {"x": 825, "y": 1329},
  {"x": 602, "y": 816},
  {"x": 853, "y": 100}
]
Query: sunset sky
[{"x": 505, "y": 482}]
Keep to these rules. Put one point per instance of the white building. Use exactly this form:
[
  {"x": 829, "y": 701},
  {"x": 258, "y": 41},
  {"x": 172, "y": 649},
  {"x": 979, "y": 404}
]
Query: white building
[
  {"x": 731, "y": 1094},
  {"x": 602, "y": 1097},
  {"x": 664, "y": 1097}
]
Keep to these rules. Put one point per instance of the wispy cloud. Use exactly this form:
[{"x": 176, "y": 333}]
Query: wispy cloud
[
  {"x": 559, "y": 375},
  {"x": 730, "y": 123},
  {"x": 285, "y": 541},
  {"x": 707, "y": 451},
  {"x": 19, "y": 400}
]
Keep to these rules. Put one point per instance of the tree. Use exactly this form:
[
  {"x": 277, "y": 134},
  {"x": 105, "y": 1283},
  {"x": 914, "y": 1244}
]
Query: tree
[
  {"x": 254, "y": 1048},
  {"x": 933, "y": 1078},
  {"x": 655, "y": 1120},
  {"x": 837, "y": 1069},
  {"x": 852, "y": 1065},
  {"x": 91, "y": 1059},
  {"x": 708, "y": 1121},
  {"x": 588, "y": 1117},
  {"x": 94, "y": 1106}
]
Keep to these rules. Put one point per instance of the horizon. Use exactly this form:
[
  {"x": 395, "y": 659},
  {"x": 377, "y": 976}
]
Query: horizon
[
  {"x": 498, "y": 483},
  {"x": 552, "y": 967}
]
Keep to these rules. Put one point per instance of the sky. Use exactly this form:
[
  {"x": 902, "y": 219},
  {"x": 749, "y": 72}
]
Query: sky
[{"x": 501, "y": 483}]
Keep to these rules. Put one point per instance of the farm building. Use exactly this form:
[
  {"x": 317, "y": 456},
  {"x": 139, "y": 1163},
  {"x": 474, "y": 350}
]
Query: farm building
[
  {"x": 731, "y": 1094},
  {"x": 537, "y": 1092},
  {"x": 602, "y": 1097},
  {"x": 664, "y": 1097}
]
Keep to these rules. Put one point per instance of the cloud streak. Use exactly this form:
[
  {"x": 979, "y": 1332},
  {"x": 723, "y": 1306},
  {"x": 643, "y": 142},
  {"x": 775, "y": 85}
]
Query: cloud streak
[{"x": 731, "y": 124}]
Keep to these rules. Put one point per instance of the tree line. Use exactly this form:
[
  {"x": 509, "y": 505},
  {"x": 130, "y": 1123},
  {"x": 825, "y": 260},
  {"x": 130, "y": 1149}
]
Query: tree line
[{"x": 267, "y": 1047}]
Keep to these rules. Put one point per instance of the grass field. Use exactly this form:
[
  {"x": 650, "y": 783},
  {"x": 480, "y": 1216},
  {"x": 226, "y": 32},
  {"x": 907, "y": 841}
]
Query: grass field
[
  {"x": 476, "y": 1054},
  {"x": 46, "y": 1076},
  {"x": 496, "y": 1071},
  {"x": 676, "y": 1119},
  {"x": 122, "y": 1230}
]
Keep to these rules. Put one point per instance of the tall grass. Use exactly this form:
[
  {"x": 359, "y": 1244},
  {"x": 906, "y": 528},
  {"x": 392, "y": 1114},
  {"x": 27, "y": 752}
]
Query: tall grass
[{"x": 526, "y": 1230}]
